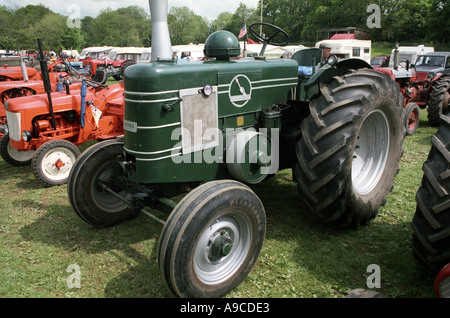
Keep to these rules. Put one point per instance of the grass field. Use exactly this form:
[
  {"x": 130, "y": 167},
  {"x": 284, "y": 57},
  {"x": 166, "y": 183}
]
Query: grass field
[{"x": 301, "y": 258}]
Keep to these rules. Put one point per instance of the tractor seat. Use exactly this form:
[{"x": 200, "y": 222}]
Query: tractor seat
[{"x": 307, "y": 60}]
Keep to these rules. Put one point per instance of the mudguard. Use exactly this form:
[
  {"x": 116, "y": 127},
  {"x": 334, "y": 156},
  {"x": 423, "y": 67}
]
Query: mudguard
[{"x": 325, "y": 74}]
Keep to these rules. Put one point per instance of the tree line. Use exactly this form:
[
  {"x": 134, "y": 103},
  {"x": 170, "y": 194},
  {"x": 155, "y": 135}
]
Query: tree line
[{"x": 420, "y": 21}]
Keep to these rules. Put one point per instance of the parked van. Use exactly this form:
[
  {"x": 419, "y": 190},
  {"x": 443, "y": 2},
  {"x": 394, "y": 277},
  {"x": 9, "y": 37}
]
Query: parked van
[{"x": 346, "y": 46}]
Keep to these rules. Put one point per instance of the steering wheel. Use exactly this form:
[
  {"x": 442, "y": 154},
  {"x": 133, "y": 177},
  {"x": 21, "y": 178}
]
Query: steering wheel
[{"x": 268, "y": 39}]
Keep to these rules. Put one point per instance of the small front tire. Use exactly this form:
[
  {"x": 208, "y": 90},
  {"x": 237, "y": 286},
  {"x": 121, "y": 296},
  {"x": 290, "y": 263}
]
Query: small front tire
[
  {"x": 53, "y": 161},
  {"x": 412, "y": 118},
  {"x": 13, "y": 156},
  {"x": 211, "y": 240}
]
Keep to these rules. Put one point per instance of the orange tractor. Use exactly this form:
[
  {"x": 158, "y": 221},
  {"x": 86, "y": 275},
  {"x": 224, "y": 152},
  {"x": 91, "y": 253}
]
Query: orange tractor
[
  {"x": 14, "y": 73},
  {"x": 16, "y": 86},
  {"x": 45, "y": 129}
]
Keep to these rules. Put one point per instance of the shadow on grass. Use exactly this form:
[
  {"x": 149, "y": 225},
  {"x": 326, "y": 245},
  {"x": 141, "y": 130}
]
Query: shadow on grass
[
  {"x": 337, "y": 258},
  {"x": 61, "y": 228},
  {"x": 340, "y": 257}
]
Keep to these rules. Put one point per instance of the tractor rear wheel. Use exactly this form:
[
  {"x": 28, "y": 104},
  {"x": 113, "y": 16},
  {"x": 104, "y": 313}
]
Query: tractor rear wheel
[
  {"x": 94, "y": 169},
  {"x": 350, "y": 148},
  {"x": 412, "y": 118},
  {"x": 431, "y": 222},
  {"x": 13, "y": 156},
  {"x": 211, "y": 240},
  {"x": 53, "y": 161},
  {"x": 438, "y": 102}
]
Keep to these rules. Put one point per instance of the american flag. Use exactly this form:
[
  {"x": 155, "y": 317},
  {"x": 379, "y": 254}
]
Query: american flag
[{"x": 243, "y": 31}]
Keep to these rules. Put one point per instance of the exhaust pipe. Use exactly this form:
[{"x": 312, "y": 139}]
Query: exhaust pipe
[
  {"x": 23, "y": 69},
  {"x": 161, "y": 45}
]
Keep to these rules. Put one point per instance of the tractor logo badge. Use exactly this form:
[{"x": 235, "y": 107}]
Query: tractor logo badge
[{"x": 240, "y": 90}]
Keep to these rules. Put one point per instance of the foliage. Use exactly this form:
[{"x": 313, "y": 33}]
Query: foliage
[
  {"x": 196, "y": 31},
  {"x": 412, "y": 21}
]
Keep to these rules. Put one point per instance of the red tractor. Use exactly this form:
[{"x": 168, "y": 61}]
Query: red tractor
[
  {"x": 45, "y": 129},
  {"x": 49, "y": 140},
  {"x": 14, "y": 73},
  {"x": 113, "y": 64},
  {"x": 34, "y": 85},
  {"x": 426, "y": 83}
]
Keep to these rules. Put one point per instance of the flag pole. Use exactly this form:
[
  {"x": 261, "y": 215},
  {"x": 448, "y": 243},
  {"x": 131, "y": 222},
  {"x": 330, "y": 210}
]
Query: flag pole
[{"x": 245, "y": 46}]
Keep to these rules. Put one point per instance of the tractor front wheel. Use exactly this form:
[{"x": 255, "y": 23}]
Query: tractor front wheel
[
  {"x": 351, "y": 147},
  {"x": 211, "y": 240},
  {"x": 412, "y": 118},
  {"x": 13, "y": 156},
  {"x": 95, "y": 170},
  {"x": 53, "y": 161}
]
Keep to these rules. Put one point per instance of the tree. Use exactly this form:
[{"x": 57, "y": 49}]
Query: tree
[
  {"x": 437, "y": 26},
  {"x": 221, "y": 22},
  {"x": 186, "y": 27}
]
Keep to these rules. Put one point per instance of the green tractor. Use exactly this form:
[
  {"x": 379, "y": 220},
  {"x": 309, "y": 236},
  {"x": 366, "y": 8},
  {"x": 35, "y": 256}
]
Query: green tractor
[{"x": 224, "y": 124}]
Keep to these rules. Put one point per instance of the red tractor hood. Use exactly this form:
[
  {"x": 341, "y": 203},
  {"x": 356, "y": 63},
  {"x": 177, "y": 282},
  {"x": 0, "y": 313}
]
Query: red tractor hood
[
  {"x": 15, "y": 72},
  {"x": 31, "y": 106}
]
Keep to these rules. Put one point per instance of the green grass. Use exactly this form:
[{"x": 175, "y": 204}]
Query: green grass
[{"x": 41, "y": 236}]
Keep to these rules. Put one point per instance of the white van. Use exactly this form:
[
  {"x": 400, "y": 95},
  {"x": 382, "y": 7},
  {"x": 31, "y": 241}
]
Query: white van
[
  {"x": 346, "y": 46},
  {"x": 126, "y": 53},
  {"x": 95, "y": 52}
]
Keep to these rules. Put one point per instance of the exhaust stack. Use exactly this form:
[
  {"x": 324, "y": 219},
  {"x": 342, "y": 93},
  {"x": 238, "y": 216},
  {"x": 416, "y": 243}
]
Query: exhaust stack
[{"x": 161, "y": 45}]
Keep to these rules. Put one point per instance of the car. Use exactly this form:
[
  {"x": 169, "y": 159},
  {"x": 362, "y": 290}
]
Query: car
[
  {"x": 380, "y": 61},
  {"x": 433, "y": 63}
]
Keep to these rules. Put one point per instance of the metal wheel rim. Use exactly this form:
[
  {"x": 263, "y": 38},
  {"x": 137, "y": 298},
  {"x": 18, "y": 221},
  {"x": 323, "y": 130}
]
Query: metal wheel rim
[
  {"x": 49, "y": 161},
  {"x": 412, "y": 120},
  {"x": 106, "y": 201},
  {"x": 21, "y": 156},
  {"x": 371, "y": 152},
  {"x": 239, "y": 229}
]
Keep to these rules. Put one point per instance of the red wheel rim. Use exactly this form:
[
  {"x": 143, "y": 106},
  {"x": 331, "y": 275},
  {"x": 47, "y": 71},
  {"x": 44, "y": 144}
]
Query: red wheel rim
[{"x": 412, "y": 120}]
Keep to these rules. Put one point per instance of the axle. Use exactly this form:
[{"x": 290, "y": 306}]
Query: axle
[{"x": 162, "y": 204}]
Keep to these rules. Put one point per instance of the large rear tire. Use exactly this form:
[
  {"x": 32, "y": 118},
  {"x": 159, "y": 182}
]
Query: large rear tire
[
  {"x": 431, "y": 222},
  {"x": 350, "y": 148},
  {"x": 95, "y": 167},
  {"x": 211, "y": 240},
  {"x": 438, "y": 101}
]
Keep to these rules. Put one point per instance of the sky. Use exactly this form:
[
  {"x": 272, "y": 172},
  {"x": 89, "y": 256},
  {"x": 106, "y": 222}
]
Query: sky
[{"x": 209, "y": 9}]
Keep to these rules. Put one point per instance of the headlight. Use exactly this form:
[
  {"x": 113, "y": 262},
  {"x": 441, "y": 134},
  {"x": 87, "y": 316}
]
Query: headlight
[
  {"x": 26, "y": 135},
  {"x": 207, "y": 90},
  {"x": 430, "y": 75}
]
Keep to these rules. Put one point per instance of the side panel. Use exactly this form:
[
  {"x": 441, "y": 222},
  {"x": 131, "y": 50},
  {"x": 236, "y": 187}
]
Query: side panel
[{"x": 177, "y": 116}]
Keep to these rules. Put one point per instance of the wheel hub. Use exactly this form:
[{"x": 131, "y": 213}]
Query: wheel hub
[
  {"x": 59, "y": 164},
  {"x": 220, "y": 245}
]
